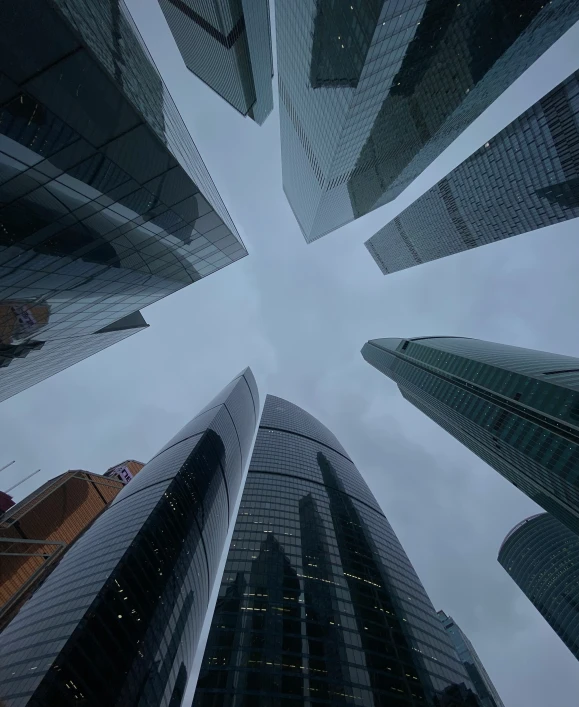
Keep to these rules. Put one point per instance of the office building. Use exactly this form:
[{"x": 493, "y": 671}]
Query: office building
[
  {"x": 483, "y": 685},
  {"x": 542, "y": 556},
  {"x": 35, "y": 532},
  {"x": 227, "y": 44},
  {"x": 524, "y": 178},
  {"x": 517, "y": 409},
  {"x": 318, "y": 603},
  {"x": 370, "y": 93},
  {"x": 106, "y": 205},
  {"x": 117, "y": 621}
]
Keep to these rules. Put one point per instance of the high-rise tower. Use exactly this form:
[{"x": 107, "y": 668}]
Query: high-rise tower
[
  {"x": 542, "y": 556},
  {"x": 318, "y": 600},
  {"x": 483, "y": 685},
  {"x": 105, "y": 203},
  {"x": 370, "y": 93},
  {"x": 517, "y": 409},
  {"x": 227, "y": 44},
  {"x": 524, "y": 178},
  {"x": 118, "y": 620}
]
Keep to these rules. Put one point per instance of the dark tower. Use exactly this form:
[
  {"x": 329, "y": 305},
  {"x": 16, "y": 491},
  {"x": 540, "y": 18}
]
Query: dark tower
[
  {"x": 118, "y": 621},
  {"x": 517, "y": 409},
  {"x": 542, "y": 556},
  {"x": 318, "y": 600}
]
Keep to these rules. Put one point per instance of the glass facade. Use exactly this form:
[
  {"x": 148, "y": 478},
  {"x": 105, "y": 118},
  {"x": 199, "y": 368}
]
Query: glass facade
[
  {"x": 372, "y": 92},
  {"x": 542, "y": 556},
  {"x": 318, "y": 603},
  {"x": 517, "y": 409},
  {"x": 105, "y": 203},
  {"x": 227, "y": 44},
  {"x": 484, "y": 688},
  {"x": 525, "y": 178},
  {"x": 117, "y": 621}
]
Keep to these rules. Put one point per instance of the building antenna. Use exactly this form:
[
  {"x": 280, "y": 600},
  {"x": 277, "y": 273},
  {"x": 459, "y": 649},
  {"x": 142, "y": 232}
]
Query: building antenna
[
  {"x": 22, "y": 481},
  {"x": 7, "y": 465}
]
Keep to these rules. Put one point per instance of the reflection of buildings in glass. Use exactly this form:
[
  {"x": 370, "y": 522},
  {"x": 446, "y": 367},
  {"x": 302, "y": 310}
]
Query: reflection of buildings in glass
[
  {"x": 525, "y": 178},
  {"x": 139, "y": 576},
  {"x": 318, "y": 601},
  {"x": 371, "y": 93},
  {"x": 483, "y": 685},
  {"x": 542, "y": 556},
  {"x": 36, "y": 531},
  {"x": 227, "y": 44},
  {"x": 517, "y": 409},
  {"x": 106, "y": 204}
]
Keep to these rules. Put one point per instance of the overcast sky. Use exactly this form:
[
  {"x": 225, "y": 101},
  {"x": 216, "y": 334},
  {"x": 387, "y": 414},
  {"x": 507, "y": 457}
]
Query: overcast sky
[{"x": 298, "y": 315}]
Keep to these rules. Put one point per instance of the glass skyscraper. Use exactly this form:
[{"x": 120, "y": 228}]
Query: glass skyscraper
[
  {"x": 117, "y": 621},
  {"x": 370, "y": 93},
  {"x": 105, "y": 203},
  {"x": 525, "y": 178},
  {"x": 517, "y": 409},
  {"x": 319, "y": 603},
  {"x": 483, "y": 685},
  {"x": 542, "y": 556},
  {"x": 227, "y": 44}
]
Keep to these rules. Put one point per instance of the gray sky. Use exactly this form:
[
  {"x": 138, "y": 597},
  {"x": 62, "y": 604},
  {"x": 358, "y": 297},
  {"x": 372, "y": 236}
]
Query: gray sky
[{"x": 298, "y": 315}]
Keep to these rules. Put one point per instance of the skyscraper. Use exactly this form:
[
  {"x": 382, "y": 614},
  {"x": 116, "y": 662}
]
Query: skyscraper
[
  {"x": 542, "y": 556},
  {"x": 525, "y": 178},
  {"x": 106, "y": 205},
  {"x": 483, "y": 685},
  {"x": 227, "y": 44},
  {"x": 117, "y": 622},
  {"x": 517, "y": 409},
  {"x": 372, "y": 92},
  {"x": 318, "y": 601}
]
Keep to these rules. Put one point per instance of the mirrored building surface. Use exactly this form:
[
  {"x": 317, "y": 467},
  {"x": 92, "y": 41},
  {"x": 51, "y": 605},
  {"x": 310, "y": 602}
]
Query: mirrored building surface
[
  {"x": 542, "y": 556},
  {"x": 517, "y": 409},
  {"x": 370, "y": 93},
  {"x": 318, "y": 603},
  {"x": 105, "y": 203},
  {"x": 117, "y": 621},
  {"x": 227, "y": 44},
  {"x": 483, "y": 685},
  {"x": 525, "y": 178}
]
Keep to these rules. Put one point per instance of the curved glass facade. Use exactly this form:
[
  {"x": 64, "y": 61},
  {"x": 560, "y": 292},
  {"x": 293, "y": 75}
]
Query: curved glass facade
[
  {"x": 118, "y": 621},
  {"x": 319, "y": 604},
  {"x": 370, "y": 93},
  {"x": 105, "y": 203},
  {"x": 542, "y": 556},
  {"x": 524, "y": 178},
  {"x": 517, "y": 409}
]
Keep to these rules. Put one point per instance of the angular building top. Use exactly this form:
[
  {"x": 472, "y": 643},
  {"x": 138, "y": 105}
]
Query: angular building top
[
  {"x": 542, "y": 556},
  {"x": 318, "y": 600},
  {"x": 483, "y": 685},
  {"x": 118, "y": 620},
  {"x": 227, "y": 44},
  {"x": 524, "y": 178},
  {"x": 106, "y": 205},
  {"x": 370, "y": 93},
  {"x": 517, "y": 409}
]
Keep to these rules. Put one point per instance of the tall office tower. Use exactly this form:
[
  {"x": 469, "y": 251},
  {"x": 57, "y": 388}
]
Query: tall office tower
[
  {"x": 117, "y": 621},
  {"x": 372, "y": 92},
  {"x": 227, "y": 44},
  {"x": 35, "y": 532},
  {"x": 542, "y": 556},
  {"x": 525, "y": 178},
  {"x": 517, "y": 409},
  {"x": 483, "y": 685},
  {"x": 105, "y": 203},
  {"x": 318, "y": 603}
]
